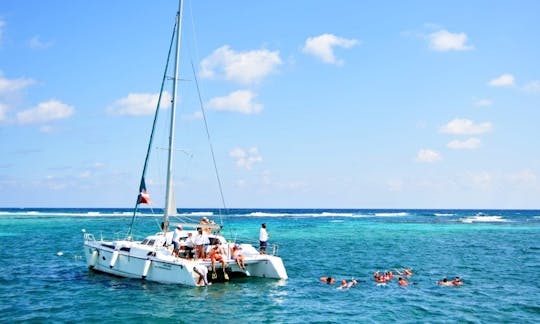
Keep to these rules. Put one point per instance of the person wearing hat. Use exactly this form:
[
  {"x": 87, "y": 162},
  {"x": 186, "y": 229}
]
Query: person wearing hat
[
  {"x": 176, "y": 240},
  {"x": 205, "y": 221}
]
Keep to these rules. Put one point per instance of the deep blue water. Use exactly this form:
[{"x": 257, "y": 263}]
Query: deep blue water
[{"x": 496, "y": 252}]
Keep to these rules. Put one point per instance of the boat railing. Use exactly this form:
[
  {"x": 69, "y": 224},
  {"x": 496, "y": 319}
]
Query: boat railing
[
  {"x": 274, "y": 247},
  {"x": 89, "y": 237}
]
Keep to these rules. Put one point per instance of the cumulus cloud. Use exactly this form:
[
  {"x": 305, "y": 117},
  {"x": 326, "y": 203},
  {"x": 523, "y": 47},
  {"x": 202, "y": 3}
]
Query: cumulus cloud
[
  {"x": 428, "y": 156},
  {"x": 8, "y": 86},
  {"x": 3, "y": 112},
  {"x": 245, "y": 159},
  {"x": 239, "y": 101},
  {"x": 505, "y": 80},
  {"x": 532, "y": 87},
  {"x": 45, "y": 112},
  {"x": 523, "y": 177},
  {"x": 468, "y": 144},
  {"x": 460, "y": 126},
  {"x": 444, "y": 41},
  {"x": 37, "y": 43},
  {"x": 2, "y": 25},
  {"x": 242, "y": 67},
  {"x": 322, "y": 47},
  {"x": 139, "y": 104},
  {"x": 483, "y": 103}
]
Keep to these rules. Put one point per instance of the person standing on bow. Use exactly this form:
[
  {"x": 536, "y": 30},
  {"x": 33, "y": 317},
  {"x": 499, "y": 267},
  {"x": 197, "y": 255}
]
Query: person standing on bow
[{"x": 263, "y": 238}]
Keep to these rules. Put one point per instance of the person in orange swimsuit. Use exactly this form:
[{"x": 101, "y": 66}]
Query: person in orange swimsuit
[{"x": 216, "y": 255}]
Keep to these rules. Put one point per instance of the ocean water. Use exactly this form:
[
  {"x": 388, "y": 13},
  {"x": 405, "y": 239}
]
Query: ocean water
[{"x": 44, "y": 278}]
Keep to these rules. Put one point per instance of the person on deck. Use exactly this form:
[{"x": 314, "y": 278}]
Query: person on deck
[
  {"x": 176, "y": 240},
  {"x": 201, "y": 241},
  {"x": 188, "y": 245},
  {"x": 263, "y": 238},
  {"x": 237, "y": 256},
  {"x": 217, "y": 256}
]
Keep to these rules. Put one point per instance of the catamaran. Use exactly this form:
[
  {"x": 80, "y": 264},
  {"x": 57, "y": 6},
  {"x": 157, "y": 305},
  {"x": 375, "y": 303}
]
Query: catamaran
[{"x": 153, "y": 258}]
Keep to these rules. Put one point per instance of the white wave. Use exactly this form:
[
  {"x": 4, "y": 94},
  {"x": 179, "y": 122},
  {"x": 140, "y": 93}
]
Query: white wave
[
  {"x": 327, "y": 214},
  {"x": 71, "y": 214},
  {"x": 483, "y": 219},
  {"x": 391, "y": 214},
  {"x": 322, "y": 214},
  {"x": 200, "y": 214},
  {"x": 444, "y": 214}
]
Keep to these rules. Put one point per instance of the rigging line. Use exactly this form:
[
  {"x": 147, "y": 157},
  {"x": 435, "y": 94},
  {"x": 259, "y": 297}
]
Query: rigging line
[
  {"x": 209, "y": 142},
  {"x": 197, "y": 58},
  {"x": 148, "y": 150}
]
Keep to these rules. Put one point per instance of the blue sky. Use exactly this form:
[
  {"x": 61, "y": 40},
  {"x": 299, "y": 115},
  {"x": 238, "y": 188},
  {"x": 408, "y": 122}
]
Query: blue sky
[{"x": 311, "y": 104}]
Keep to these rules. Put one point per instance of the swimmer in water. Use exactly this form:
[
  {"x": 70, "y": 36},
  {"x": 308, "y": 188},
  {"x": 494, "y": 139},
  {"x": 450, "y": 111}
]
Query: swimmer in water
[
  {"x": 402, "y": 282},
  {"x": 328, "y": 280}
]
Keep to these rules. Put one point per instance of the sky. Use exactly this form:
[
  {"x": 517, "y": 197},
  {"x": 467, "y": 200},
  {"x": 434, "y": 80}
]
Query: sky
[{"x": 310, "y": 104}]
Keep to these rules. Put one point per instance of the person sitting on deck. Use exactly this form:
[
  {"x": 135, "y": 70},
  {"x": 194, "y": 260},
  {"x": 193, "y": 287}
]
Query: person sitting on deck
[
  {"x": 187, "y": 245},
  {"x": 237, "y": 256},
  {"x": 205, "y": 221},
  {"x": 216, "y": 255}
]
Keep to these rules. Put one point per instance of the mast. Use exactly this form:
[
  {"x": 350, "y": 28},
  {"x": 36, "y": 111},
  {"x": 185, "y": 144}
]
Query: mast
[{"x": 169, "y": 196}]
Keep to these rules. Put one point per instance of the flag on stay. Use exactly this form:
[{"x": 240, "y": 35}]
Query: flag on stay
[{"x": 144, "y": 197}]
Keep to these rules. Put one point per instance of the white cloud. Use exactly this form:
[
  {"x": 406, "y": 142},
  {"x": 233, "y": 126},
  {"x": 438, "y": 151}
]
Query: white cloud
[
  {"x": 245, "y": 159},
  {"x": 468, "y": 144},
  {"x": 532, "y": 87},
  {"x": 322, "y": 47},
  {"x": 242, "y": 67},
  {"x": 465, "y": 127},
  {"x": 2, "y": 25},
  {"x": 483, "y": 103},
  {"x": 394, "y": 185},
  {"x": 505, "y": 80},
  {"x": 8, "y": 86},
  {"x": 525, "y": 176},
  {"x": 238, "y": 101},
  {"x": 3, "y": 111},
  {"x": 139, "y": 104},
  {"x": 444, "y": 41},
  {"x": 37, "y": 44},
  {"x": 428, "y": 156},
  {"x": 482, "y": 179},
  {"x": 45, "y": 112}
]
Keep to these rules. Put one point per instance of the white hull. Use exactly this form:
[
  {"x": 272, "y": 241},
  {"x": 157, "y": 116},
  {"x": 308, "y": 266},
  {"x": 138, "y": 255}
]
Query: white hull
[{"x": 133, "y": 260}]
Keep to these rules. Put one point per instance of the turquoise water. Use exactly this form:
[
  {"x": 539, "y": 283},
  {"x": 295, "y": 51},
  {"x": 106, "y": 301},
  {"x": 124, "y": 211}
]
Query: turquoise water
[{"x": 497, "y": 253}]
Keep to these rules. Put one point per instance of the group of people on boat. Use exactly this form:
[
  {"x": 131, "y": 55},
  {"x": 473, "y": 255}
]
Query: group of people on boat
[{"x": 202, "y": 246}]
